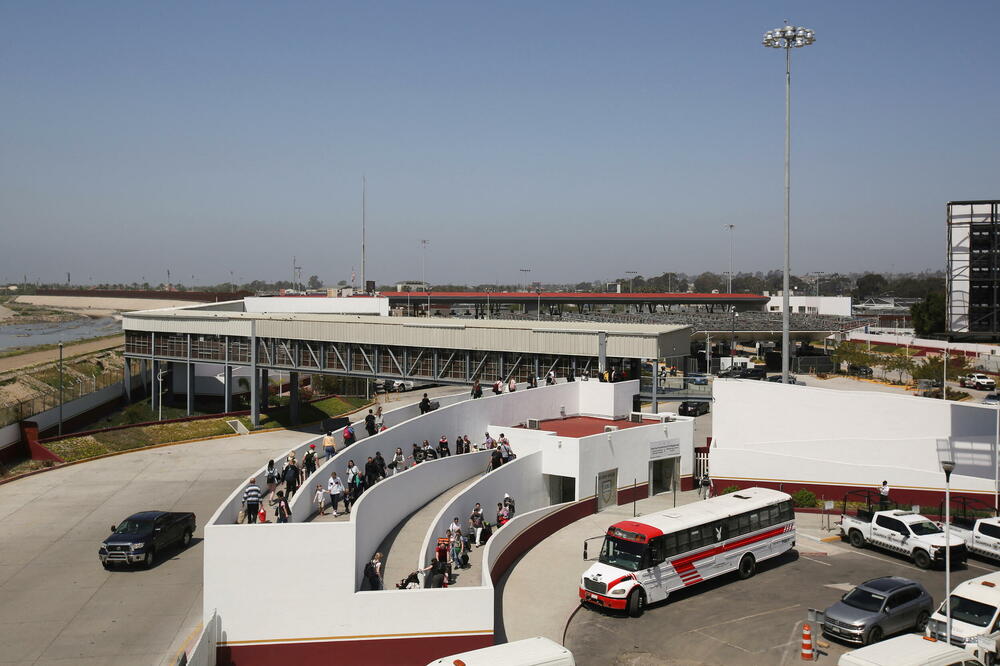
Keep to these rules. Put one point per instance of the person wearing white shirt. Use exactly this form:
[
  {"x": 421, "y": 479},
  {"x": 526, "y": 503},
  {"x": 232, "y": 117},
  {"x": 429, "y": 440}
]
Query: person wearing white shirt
[{"x": 336, "y": 490}]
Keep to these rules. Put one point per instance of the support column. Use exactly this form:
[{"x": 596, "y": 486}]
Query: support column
[
  {"x": 127, "y": 380},
  {"x": 154, "y": 394},
  {"x": 142, "y": 377},
  {"x": 602, "y": 351},
  {"x": 189, "y": 398},
  {"x": 265, "y": 389},
  {"x": 227, "y": 389},
  {"x": 254, "y": 404},
  {"x": 293, "y": 397}
]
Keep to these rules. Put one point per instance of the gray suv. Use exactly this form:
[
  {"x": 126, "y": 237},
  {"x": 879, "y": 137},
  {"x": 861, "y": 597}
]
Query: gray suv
[{"x": 877, "y": 608}]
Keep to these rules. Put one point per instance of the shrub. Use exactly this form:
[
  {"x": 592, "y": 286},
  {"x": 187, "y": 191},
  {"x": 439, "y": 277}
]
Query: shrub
[
  {"x": 803, "y": 498},
  {"x": 729, "y": 489}
]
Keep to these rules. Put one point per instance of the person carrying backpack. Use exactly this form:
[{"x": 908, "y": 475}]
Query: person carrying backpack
[
  {"x": 370, "y": 423},
  {"x": 443, "y": 449},
  {"x": 425, "y": 404},
  {"x": 348, "y": 435},
  {"x": 282, "y": 510},
  {"x": 508, "y": 503},
  {"x": 497, "y": 387},
  {"x": 272, "y": 477},
  {"x": 477, "y": 390},
  {"x": 291, "y": 477},
  {"x": 373, "y": 572},
  {"x": 309, "y": 460}
]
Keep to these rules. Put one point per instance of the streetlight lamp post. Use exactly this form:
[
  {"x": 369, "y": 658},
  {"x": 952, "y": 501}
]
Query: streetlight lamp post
[
  {"x": 423, "y": 272},
  {"x": 947, "y": 466},
  {"x": 732, "y": 343},
  {"x": 538, "y": 291},
  {"x": 787, "y": 37},
  {"x": 159, "y": 392},
  {"x": 526, "y": 272},
  {"x": 631, "y": 290},
  {"x": 730, "y": 227}
]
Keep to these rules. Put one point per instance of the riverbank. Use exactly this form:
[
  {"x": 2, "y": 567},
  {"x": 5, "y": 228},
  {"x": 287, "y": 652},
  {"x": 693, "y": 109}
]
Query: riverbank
[{"x": 16, "y": 359}]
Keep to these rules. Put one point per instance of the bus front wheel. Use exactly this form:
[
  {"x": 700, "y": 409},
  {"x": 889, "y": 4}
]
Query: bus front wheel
[
  {"x": 636, "y": 603},
  {"x": 748, "y": 566}
]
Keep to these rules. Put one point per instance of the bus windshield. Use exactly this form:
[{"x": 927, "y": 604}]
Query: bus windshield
[{"x": 622, "y": 554}]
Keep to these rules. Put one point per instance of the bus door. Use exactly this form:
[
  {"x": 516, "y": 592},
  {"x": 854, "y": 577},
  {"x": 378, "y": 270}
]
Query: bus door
[{"x": 653, "y": 578}]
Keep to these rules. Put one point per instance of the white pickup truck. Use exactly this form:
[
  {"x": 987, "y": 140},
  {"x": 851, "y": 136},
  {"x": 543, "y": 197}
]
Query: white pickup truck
[
  {"x": 982, "y": 536},
  {"x": 978, "y": 380},
  {"x": 902, "y": 532}
]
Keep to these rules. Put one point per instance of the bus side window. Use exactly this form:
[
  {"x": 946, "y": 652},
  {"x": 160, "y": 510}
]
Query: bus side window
[
  {"x": 717, "y": 531},
  {"x": 682, "y": 542},
  {"x": 755, "y": 521},
  {"x": 744, "y": 523},
  {"x": 656, "y": 551},
  {"x": 669, "y": 545},
  {"x": 774, "y": 515},
  {"x": 732, "y": 527},
  {"x": 787, "y": 513}
]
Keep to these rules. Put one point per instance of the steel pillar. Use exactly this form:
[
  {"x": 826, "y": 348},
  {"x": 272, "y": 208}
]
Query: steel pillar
[
  {"x": 227, "y": 389},
  {"x": 189, "y": 375},
  {"x": 293, "y": 397}
]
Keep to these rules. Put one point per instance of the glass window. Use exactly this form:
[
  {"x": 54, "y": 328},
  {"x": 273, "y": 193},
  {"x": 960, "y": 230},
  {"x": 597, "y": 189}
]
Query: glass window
[
  {"x": 990, "y": 530},
  {"x": 886, "y": 522},
  {"x": 717, "y": 531},
  {"x": 754, "y": 521},
  {"x": 732, "y": 527},
  {"x": 656, "y": 552},
  {"x": 922, "y": 528},
  {"x": 787, "y": 512},
  {"x": 669, "y": 545},
  {"x": 744, "y": 523},
  {"x": 864, "y": 600},
  {"x": 695, "y": 537},
  {"x": 622, "y": 554},
  {"x": 682, "y": 542},
  {"x": 971, "y": 612},
  {"x": 774, "y": 515}
]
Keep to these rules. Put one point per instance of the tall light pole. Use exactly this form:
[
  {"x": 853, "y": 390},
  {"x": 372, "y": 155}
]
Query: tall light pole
[
  {"x": 364, "y": 228},
  {"x": 538, "y": 290},
  {"x": 947, "y": 466},
  {"x": 423, "y": 271},
  {"x": 159, "y": 378},
  {"x": 60, "y": 387},
  {"x": 730, "y": 227},
  {"x": 787, "y": 37}
]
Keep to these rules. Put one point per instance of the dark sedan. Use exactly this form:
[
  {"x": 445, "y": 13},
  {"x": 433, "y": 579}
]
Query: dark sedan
[
  {"x": 141, "y": 536},
  {"x": 878, "y": 608},
  {"x": 693, "y": 408}
]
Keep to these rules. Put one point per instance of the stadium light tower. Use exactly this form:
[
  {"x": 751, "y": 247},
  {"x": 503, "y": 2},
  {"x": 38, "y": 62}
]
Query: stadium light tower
[{"x": 787, "y": 37}]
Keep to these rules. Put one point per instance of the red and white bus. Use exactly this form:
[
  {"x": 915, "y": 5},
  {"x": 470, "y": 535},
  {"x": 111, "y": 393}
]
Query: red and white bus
[{"x": 645, "y": 559}]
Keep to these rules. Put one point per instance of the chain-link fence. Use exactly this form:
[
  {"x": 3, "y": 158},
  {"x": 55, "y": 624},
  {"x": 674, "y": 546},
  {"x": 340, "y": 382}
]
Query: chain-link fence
[{"x": 73, "y": 388}]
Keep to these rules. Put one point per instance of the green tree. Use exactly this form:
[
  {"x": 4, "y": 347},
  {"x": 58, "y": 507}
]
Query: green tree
[
  {"x": 928, "y": 315},
  {"x": 898, "y": 361},
  {"x": 708, "y": 282},
  {"x": 869, "y": 285},
  {"x": 314, "y": 282}
]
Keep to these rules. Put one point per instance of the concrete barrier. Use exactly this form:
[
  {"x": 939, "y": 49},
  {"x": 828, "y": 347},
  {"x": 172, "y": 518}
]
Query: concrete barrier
[{"x": 521, "y": 478}]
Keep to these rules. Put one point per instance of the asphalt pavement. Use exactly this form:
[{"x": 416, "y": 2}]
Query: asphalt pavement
[{"x": 753, "y": 622}]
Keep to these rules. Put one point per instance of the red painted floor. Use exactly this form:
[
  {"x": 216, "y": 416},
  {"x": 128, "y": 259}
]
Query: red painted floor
[{"x": 582, "y": 426}]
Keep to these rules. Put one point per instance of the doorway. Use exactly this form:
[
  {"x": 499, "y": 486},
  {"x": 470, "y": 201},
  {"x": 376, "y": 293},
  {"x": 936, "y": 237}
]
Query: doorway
[
  {"x": 661, "y": 475},
  {"x": 561, "y": 488},
  {"x": 607, "y": 489}
]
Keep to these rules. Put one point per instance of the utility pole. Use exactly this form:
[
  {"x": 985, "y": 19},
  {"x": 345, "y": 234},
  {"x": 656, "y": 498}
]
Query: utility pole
[
  {"x": 364, "y": 229},
  {"x": 730, "y": 227},
  {"x": 60, "y": 388},
  {"x": 423, "y": 272}
]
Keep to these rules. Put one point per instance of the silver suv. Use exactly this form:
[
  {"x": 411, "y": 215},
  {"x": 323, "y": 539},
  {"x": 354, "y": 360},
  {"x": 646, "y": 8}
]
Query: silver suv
[{"x": 878, "y": 608}]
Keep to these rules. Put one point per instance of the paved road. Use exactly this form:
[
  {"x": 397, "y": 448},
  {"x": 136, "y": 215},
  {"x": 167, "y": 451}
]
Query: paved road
[
  {"x": 59, "y": 604},
  {"x": 752, "y": 622},
  {"x": 34, "y": 358}
]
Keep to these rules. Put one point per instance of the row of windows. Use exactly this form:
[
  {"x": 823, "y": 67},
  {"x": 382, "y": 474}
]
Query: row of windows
[{"x": 693, "y": 538}]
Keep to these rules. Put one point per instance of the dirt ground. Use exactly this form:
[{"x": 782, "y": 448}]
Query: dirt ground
[
  {"x": 34, "y": 358},
  {"x": 99, "y": 307}
]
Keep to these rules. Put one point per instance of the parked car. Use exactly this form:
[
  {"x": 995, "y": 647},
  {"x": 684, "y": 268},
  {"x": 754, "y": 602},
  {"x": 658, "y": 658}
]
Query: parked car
[
  {"x": 397, "y": 385},
  {"x": 878, "y": 608},
  {"x": 777, "y": 379},
  {"x": 902, "y": 532},
  {"x": 698, "y": 379},
  {"x": 860, "y": 370},
  {"x": 978, "y": 381},
  {"x": 758, "y": 372},
  {"x": 142, "y": 535},
  {"x": 693, "y": 408},
  {"x": 992, "y": 399}
]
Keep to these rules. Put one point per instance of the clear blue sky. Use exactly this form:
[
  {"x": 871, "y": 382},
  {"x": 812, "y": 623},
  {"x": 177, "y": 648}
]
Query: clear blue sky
[{"x": 578, "y": 139}]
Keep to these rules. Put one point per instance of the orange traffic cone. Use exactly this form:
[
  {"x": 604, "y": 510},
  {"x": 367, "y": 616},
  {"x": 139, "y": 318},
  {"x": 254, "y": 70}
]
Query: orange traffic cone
[{"x": 807, "y": 643}]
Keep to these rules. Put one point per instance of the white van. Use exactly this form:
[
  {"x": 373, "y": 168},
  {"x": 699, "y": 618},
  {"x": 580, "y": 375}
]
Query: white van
[
  {"x": 974, "y": 613},
  {"x": 535, "y": 651},
  {"x": 909, "y": 650}
]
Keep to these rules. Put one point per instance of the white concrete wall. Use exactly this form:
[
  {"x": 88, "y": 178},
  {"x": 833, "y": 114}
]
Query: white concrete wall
[
  {"x": 385, "y": 505},
  {"x": 50, "y": 417},
  {"x": 521, "y": 478},
  {"x": 824, "y": 305},
  {"x": 353, "y": 305},
  {"x": 628, "y": 451},
  {"x": 769, "y": 431},
  {"x": 209, "y": 378},
  {"x": 596, "y": 396},
  {"x": 502, "y": 538}
]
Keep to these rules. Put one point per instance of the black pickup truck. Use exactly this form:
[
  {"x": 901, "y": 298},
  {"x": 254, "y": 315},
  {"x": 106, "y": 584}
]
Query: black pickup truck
[{"x": 142, "y": 535}]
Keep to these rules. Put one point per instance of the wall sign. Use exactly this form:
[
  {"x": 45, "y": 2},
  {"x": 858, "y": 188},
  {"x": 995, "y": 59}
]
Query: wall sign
[{"x": 665, "y": 448}]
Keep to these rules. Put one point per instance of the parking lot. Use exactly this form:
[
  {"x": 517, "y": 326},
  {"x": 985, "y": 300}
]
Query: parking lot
[{"x": 753, "y": 622}]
